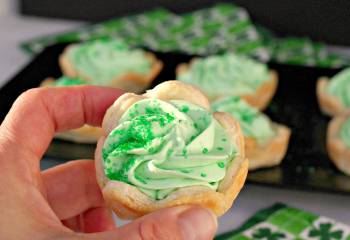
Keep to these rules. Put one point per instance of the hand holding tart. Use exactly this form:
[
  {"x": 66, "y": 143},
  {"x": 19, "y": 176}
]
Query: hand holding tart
[
  {"x": 109, "y": 62},
  {"x": 231, "y": 75},
  {"x": 266, "y": 142},
  {"x": 165, "y": 148}
]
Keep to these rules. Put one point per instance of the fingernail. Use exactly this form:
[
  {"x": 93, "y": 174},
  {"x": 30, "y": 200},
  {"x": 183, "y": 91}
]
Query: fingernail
[{"x": 198, "y": 223}]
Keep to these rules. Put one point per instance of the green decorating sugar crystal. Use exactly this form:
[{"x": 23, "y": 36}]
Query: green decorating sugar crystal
[
  {"x": 205, "y": 150},
  {"x": 224, "y": 139},
  {"x": 170, "y": 151},
  {"x": 203, "y": 174},
  {"x": 185, "y": 170},
  {"x": 221, "y": 164},
  {"x": 185, "y": 109},
  {"x": 184, "y": 152},
  {"x": 220, "y": 148},
  {"x": 195, "y": 125}
]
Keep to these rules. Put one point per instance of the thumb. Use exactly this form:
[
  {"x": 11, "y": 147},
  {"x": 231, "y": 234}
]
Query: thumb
[{"x": 183, "y": 222}]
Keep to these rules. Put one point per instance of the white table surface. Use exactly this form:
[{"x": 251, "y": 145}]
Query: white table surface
[{"x": 14, "y": 29}]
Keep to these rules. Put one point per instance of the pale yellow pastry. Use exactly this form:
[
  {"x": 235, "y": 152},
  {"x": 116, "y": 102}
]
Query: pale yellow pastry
[
  {"x": 338, "y": 142},
  {"x": 334, "y": 94},
  {"x": 227, "y": 75},
  {"x": 165, "y": 148},
  {"x": 266, "y": 142},
  {"x": 109, "y": 62},
  {"x": 85, "y": 134}
]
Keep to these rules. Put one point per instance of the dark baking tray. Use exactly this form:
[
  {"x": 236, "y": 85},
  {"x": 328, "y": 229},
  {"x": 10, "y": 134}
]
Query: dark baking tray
[{"x": 306, "y": 165}]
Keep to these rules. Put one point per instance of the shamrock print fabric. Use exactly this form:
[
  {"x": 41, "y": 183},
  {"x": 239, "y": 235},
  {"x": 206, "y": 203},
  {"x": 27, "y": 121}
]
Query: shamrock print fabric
[{"x": 284, "y": 222}]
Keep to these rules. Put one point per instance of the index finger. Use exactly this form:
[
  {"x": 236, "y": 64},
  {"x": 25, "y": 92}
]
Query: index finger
[{"x": 38, "y": 113}]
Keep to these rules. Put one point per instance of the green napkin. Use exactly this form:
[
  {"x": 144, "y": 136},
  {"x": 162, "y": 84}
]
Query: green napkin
[
  {"x": 133, "y": 29},
  {"x": 217, "y": 29},
  {"x": 283, "y": 222},
  {"x": 300, "y": 51},
  {"x": 221, "y": 28}
]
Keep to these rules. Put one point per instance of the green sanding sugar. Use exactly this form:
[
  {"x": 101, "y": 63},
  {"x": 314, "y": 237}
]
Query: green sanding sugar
[
  {"x": 205, "y": 150},
  {"x": 170, "y": 151},
  {"x": 221, "y": 164},
  {"x": 203, "y": 174},
  {"x": 220, "y": 148},
  {"x": 185, "y": 170},
  {"x": 224, "y": 139},
  {"x": 185, "y": 109}
]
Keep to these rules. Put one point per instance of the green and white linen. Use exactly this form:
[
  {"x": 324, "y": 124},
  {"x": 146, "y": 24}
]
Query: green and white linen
[
  {"x": 224, "y": 27},
  {"x": 283, "y": 222}
]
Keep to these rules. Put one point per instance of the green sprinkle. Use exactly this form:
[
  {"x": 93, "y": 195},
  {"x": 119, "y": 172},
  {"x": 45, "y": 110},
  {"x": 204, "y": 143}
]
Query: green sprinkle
[
  {"x": 205, "y": 150},
  {"x": 170, "y": 151},
  {"x": 185, "y": 109},
  {"x": 185, "y": 170},
  {"x": 203, "y": 174},
  {"x": 220, "y": 148},
  {"x": 195, "y": 125},
  {"x": 224, "y": 139},
  {"x": 184, "y": 152},
  {"x": 221, "y": 164}
]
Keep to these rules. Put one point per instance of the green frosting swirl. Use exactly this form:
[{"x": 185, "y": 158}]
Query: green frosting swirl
[
  {"x": 160, "y": 146},
  {"x": 253, "y": 123},
  {"x": 227, "y": 74},
  {"x": 67, "y": 81},
  {"x": 345, "y": 132},
  {"x": 339, "y": 87},
  {"x": 105, "y": 59}
]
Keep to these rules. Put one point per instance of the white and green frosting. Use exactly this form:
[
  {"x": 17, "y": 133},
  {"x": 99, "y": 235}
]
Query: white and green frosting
[
  {"x": 105, "y": 59},
  {"x": 67, "y": 81},
  {"x": 226, "y": 75},
  {"x": 345, "y": 132},
  {"x": 339, "y": 87},
  {"x": 254, "y": 124},
  {"x": 160, "y": 146}
]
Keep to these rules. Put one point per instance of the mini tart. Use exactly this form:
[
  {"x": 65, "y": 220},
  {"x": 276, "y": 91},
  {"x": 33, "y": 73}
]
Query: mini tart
[
  {"x": 84, "y": 134},
  {"x": 338, "y": 152},
  {"x": 260, "y": 99},
  {"x": 272, "y": 152},
  {"x": 129, "y": 203},
  {"x": 130, "y": 81},
  {"x": 329, "y": 104}
]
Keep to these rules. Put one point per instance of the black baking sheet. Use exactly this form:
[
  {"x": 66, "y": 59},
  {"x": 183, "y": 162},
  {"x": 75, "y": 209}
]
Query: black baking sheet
[{"x": 306, "y": 165}]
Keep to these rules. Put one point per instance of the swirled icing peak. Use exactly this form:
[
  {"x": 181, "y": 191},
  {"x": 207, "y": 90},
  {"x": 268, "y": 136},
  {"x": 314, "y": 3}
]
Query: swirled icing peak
[
  {"x": 226, "y": 75},
  {"x": 67, "y": 81},
  {"x": 160, "y": 146},
  {"x": 253, "y": 123},
  {"x": 339, "y": 87},
  {"x": 345, "y": 132},
  {"x": 105, "y": 59}
]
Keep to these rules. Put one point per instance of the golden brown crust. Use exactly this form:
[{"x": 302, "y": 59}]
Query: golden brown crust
[
  {"x": 130, "y": 82},
  {"x": 329, "y": 104},
  {"x": 264, "y": 94},
  {"x": 84, "y": 134},
  {"x": 270, "y": 154},
  {"x": 338, "y": 152},
  {"x": 128, "y": 202},
  {"x": 260, "y": 99}
]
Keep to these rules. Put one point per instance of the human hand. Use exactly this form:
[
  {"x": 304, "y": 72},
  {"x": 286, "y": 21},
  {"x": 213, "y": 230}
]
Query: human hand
[{"x": 65, "y": 202}]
